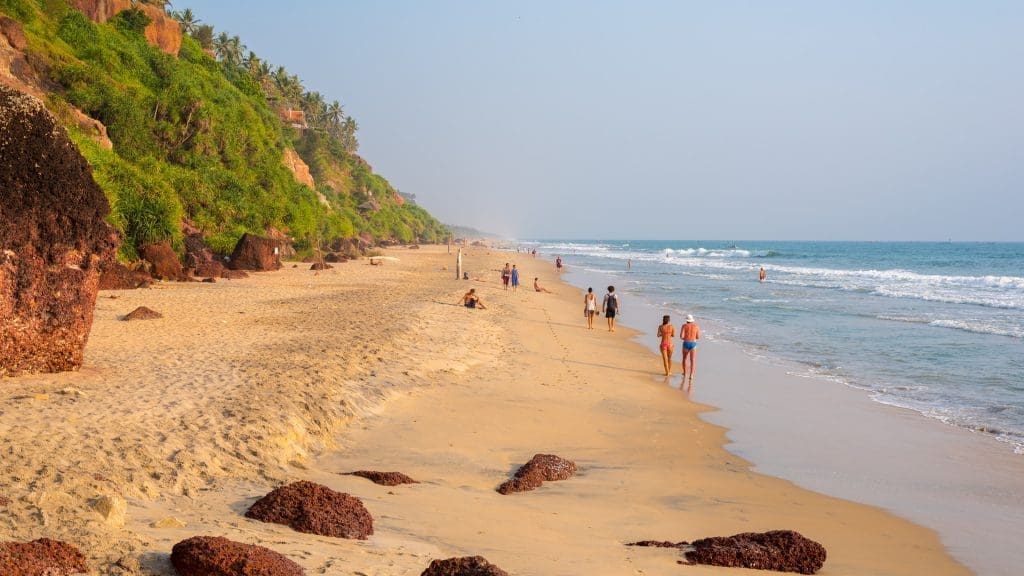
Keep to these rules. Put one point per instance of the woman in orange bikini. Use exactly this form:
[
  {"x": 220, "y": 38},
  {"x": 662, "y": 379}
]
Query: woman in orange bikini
[{"x": 666, "y": 332}]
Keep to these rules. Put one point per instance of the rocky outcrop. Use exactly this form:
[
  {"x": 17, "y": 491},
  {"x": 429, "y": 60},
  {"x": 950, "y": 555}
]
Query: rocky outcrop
[
  {"x": 164, "y": 261},
  {"x": 256, "y": 253},
  {"x": 465, "y": 566},
  {"x": 320, "y": 266},
  {"x": 780, "y": 550},
  {"x": 285, "y": 242},
  {"x": 294, "y": 163},
  {"x": 43, "y": 557},
  {"x": 234, "y": 274},
  {"x": 117, "y": 276},
  {"x": 314, "y": 509},
  {"x": 163, "y": 32},
  {"x": 541, "y": 468},
  {"x": 383, "y": 478},
  {"x": 199, "y": 258},
  {"x": 217, "y": 556},
  {"x": 12, "y": 31},
  {"x": 142, "y": 313},
  {"x": 53, "y": 238}
]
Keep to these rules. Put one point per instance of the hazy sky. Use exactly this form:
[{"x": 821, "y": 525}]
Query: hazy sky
[{"x": 692, "y": 120}]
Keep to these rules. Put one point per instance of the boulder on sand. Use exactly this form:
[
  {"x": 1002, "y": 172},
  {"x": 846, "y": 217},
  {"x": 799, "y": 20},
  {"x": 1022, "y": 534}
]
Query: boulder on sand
[
  {"x": 218, "y": 556},
  {"x": 142, "y": 313},
  {"x": 53, "y": 238},
  {"x": 256, "y": 253},
  {"x": 166, "y": 265},
  {"x": 200, "y": 258},
  {"x": 42, "y": 557},
  {"x": 383, "y": 478},
  {"x": 117, "y": 276},
  {"x": 540, "y": 468},
  {"x": 314, "y": 509},
  {"x": 465, "y": 566},
  {"x": 781, "y": 550}
]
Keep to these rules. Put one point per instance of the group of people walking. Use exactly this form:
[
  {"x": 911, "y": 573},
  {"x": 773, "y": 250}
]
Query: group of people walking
[{"x": 609, "y": 307}]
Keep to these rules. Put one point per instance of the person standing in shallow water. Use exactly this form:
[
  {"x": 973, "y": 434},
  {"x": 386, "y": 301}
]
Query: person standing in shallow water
[
  {"x": 610, "y": 307},
  {"x": 590, "y": 307},
  {"x": 762, "y": 275},
  {"x": 690, "y": 333},
  {"x": 666, "y": 332}
]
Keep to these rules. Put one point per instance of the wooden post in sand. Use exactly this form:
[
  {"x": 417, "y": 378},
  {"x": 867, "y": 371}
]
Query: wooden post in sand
[{"x": 458, "y": 265}]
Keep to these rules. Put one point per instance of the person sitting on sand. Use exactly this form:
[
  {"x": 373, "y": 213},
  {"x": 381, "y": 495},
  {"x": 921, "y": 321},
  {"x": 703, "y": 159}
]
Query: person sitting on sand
[
  {"x": 690, "y": 333},
  {"x": 666, "y": 332},
  {"x": 471, "y": 300},
  {"x": 539, "y": 288}
]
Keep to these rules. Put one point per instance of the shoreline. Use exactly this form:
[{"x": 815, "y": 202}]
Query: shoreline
[
  {"x": 292, "y": 376},
  {"x": 966, "y": 486}
]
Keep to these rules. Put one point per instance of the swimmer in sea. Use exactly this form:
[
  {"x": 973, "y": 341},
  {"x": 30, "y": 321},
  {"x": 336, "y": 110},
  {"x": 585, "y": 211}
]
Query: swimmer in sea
[
  {"x": 690, "y": 333},
  {"x": 666, "y": 332},
  {"x": 762, "y": 275}
]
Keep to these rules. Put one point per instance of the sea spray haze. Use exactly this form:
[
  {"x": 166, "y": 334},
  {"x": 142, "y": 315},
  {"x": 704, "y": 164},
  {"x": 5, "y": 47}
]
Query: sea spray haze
[{"x": 934, "y": 327}]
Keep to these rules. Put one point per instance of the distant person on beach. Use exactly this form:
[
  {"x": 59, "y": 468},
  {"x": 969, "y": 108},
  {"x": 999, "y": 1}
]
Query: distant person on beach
[
  {"x": 558, "y": 263},
  {"x": 538, "y": 288},
  {"x": 762, "y": 275},
  {"x": 590, "y": 307},
  {"x": 610, "y": 307},
  {"x": 534, "y": 253},
  {"x": 629, "y": 263},
  {"x": 666, "y": 332},
  {"x": 471, "y": 300},
  {"x": 506, "y": 274},
  {"x": 515, "y": 278},
  {"x": 690, "y": 333}
]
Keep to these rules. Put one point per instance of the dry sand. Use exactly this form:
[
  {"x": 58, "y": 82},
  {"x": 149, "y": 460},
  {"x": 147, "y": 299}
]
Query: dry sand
[{"x": 243, "y": 385}]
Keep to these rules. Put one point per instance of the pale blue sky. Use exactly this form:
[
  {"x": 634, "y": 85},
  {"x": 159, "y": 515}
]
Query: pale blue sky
[{"x": 721, "y": 119}]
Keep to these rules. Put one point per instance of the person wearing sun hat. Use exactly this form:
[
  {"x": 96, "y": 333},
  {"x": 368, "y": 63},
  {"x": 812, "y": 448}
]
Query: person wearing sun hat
[{"x": 690, "y": 333}]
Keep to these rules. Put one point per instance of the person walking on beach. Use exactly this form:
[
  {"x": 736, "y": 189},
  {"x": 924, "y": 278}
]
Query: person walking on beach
[
  {"x": 558, "y": 263},
  {"x": 590, "y": 307},
  {"x": 762, "y": 275},
  {"x": 690, "y": 333},
  {"x": 471, "y": 300},
  {"x": 506, "y": 274},
  {"x": 610, "y": 307},
  {"x": 515, "y": 278},
  {"x": 666, "y": 332}
]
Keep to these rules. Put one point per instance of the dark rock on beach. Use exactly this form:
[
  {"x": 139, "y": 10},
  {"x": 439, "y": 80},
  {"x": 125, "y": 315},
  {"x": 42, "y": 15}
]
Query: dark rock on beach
[
  {"x": 659, "y": 544},
  {"x": 53, "y": 238},
  {"x": 319, "y": 266},
  {"x": 465, "y": 566},
  {"x": 199, "y": 257},
  {"x": 210, "y": 280},
  {"x": 117, "y": 276},
  {"x": 383, "y": 478},
  {"x": 43, "y": 557},
  {"x": 234, "y": 274},
  {"x": 314, "y": 509},
  {"x": 780, "y": 550},
  {"x": 164, "y": 260},
  {"x": 540, "y": 468},
  {"x": 256, "y": 253},
  {"x": 217, "y": 556},
  {"x": 142, "y": 313}
]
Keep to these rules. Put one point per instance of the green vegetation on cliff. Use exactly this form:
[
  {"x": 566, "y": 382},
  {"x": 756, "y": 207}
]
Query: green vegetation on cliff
[{"x": 203, "y": 135}]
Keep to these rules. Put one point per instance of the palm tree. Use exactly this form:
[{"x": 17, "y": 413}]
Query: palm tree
[
  {"x": 204, "y": 35},
  {"x": 334, "y": 115},
  {"x": 187, "y": 19},
  {"x": 228, "y": 49}
]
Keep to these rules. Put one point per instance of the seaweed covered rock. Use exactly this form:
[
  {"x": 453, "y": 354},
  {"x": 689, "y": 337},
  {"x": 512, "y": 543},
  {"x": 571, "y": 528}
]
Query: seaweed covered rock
[
  {"x": 540, "y": 468},
  {"x": 53, "y": 238},
  {"x": 314, "y": 509},
  {"x": 217, "y": 556},
  {"x": 780, "y": 550},
  {"x": 383, "y": 478},
  {"x": 465, "y": 566},
  {"x": 256, "y": 253},
  {"x": 43, "y": 557}
]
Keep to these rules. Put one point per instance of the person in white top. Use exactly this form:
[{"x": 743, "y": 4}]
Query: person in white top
[{"x": 590, "y": 307}]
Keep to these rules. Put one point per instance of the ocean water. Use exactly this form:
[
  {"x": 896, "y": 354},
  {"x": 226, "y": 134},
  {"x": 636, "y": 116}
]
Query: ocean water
[{"x": 937, "y": 328}]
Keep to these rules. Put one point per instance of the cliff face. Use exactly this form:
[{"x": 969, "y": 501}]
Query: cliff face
[
  {"x": 299, "y": 168},
  {"x": 163, "y": 32}
]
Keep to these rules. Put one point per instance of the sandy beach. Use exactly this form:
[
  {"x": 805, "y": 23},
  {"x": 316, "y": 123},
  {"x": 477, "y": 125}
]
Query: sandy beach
[{"x": 244, "y": 385}]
